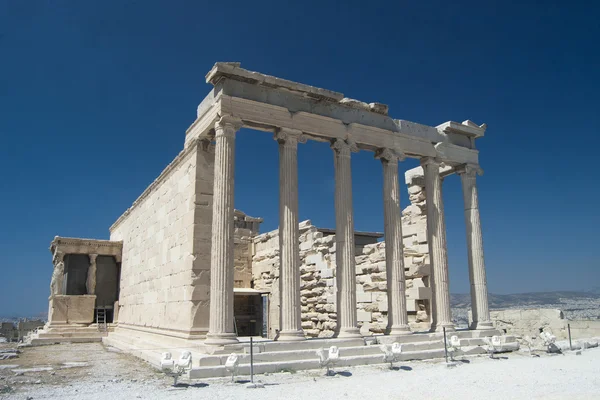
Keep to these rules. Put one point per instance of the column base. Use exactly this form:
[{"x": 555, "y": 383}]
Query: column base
[
  {"x": 481, "y": 325},
  {"x": 289, "y": 336},
  {"x": 440, "y": 328},
  {"x": 349, "y": 333},
  {"x": 221, "y": 339},
  {"x": 400, "y": 330}
]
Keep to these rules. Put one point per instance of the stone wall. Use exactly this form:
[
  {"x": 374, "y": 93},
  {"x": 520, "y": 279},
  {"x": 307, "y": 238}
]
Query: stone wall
[
  {"x": 246, "y": 228},
  {"x": 318, "y": 284},
  {"x": 529, "y": 322},
  {"x": 165, "y": 271}
]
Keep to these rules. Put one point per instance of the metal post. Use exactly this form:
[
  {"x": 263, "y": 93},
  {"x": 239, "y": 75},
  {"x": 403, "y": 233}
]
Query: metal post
[
  {"x": 570, "y": 344},
  {"x": 445, "y": 345},
  {"x": 251, "y": 360}
]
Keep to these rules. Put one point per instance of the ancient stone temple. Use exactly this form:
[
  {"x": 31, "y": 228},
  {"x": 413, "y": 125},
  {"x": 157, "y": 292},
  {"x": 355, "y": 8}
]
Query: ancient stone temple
[{"x": 193, "y": 273}]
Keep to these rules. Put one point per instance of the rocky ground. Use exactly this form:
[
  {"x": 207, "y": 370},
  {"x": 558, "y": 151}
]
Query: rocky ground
[{"x": 91, "y": 371}]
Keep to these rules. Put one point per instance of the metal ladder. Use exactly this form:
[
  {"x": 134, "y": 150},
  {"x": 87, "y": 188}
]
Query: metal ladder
[{"x": 101, "y": 319}]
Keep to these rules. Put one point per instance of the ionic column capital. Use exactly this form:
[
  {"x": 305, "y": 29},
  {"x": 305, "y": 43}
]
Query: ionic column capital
[
  {"x": 288, "y": 136},
  {"x": 470, "y": 170},
  {"x": 390, "y": 155},
  {"x": 227, "y": 126},
  {"x": 427, "y": 161},
  {"x": 344, "y": 147}
]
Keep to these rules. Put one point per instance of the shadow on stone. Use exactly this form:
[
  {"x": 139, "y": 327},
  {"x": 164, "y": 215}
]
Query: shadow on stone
[
  {"x": 344, "y": 373},
  {"x": 464, "y": 361},
  {"x": 402, "y": 368},
  {"x": 191, "y": 385},
  {"x": 242, "y": 381}
]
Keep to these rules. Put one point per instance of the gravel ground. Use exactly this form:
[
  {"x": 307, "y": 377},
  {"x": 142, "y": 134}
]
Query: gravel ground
[{"x": 90, "y": 371}]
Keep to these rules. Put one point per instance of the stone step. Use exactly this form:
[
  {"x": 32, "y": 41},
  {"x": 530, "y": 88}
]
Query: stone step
[
  {"x": 70, "y": 335},
  {"x": 271, "y": 356},
  {"x": 316, "y": 343},
  {"x": 47, "y": 341},
  {"x": 310, "y": 353},
  {"x": 294, "y": 365}
]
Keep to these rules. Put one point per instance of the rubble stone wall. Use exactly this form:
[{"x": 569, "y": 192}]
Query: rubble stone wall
[
  {"x": 318, "y": 284},
  {"x": 528, "y": 322},
  {"x": 165, "y": 272}
]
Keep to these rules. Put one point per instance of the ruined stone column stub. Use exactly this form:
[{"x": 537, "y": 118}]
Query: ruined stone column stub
[
  {"x": 289, "y": 249},
  {"x": 344, "y": 232},
  {"x": 394, "y": 254},
  {"x": 91, "y": 278},
  {"x": 477, "y": 275},
  {"x": 436, "y": 237},
  {"x": 221, "y": 320}
]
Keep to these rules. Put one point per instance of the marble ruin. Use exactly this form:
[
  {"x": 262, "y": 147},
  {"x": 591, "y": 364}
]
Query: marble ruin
[{"x": 184, "y": 269}]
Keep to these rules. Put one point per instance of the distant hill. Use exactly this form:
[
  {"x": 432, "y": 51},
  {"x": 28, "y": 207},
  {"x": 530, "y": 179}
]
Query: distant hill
[{"x": 527, "y": 299}]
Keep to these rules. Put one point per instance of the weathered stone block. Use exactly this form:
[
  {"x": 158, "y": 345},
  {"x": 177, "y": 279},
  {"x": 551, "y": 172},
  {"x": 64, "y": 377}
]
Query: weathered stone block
[{"x": 363, "y": 316}]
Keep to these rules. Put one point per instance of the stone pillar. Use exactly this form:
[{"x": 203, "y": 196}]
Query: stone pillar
[
  {"x": 436, "y": 237},
  {"x": 289, "y": 249},
  {"x": 58, "y": 275},
  {"x": 344, "y": 241},
  {"x": 56, "y": 282},
  {"x": 221, "y": 325},
  {"x": 479, "y": 293},
  {"x": 394, "y": 254},
  {"x": 91, "y": 277}
]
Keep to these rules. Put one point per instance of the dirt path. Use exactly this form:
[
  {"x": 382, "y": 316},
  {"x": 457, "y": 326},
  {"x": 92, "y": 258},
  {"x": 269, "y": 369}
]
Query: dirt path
[
  {"x": 91, "y": 371},
  {"x": 64, "y": 365}
]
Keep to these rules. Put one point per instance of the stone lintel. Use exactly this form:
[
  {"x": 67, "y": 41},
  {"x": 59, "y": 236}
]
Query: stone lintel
[
  {"x": 467, "y": 128},
  {"x": 66, "y": 245},
  {"x": 232, "y": 70}
]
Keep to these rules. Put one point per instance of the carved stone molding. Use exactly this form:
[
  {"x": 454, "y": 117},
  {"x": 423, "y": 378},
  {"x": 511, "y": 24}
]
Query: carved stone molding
[
  {"x": 227, "y": 125},
  {"x": 289, "y": 136},
  {"x": 430, "y": 161},
  {"x": 390, "y": 155},
  {"x": 469, "y": 170},
  {"x": 344, "y": 147}
]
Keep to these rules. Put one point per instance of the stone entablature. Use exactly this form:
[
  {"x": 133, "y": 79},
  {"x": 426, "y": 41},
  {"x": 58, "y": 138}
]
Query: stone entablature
[
  {"x": 268, "y": 103},
  {"x": 66, "y": 245}
]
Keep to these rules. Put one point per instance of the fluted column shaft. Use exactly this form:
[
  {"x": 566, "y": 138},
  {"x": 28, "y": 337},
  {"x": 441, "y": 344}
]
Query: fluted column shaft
[
  {"x": 479, "y": 293},
  {"x": 394, "y": 254},
  {"x": 344, "y": 238},
  {"x": 289, "y": 249},
  {"x": 221, "y": 325},
  {"x": 91, "y": 278},
  {"x": 436, "y": 236}
]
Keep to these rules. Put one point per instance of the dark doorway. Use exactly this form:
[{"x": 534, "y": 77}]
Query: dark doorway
[
  {"x": 76, "y": 271},
  {"x": 107, "y": 286},
  {"x": 247, "y": 310},
  {"x": 107, "y": 281}
]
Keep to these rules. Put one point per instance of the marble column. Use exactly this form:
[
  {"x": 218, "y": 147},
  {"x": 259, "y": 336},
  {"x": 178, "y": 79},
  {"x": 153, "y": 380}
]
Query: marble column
[
  {"x": 479, "y": 293},
  {"x": 289, "y": 249},
  {"x": 438, "y": 254},
  {"x": 394, "y": 253},
  {"x": 344, "y": 241},
  {"x": 221, "y": 325},
  {"x": 91, "y": 276}
]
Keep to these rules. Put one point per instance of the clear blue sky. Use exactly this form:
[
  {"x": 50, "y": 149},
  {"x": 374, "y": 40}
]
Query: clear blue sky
[{"x": 95, "y": 98}]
